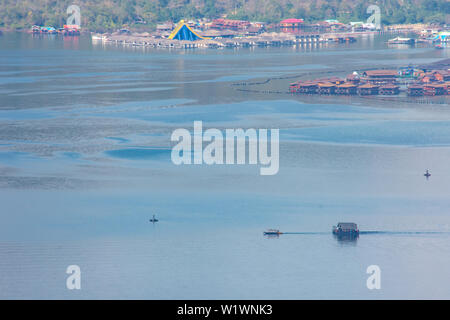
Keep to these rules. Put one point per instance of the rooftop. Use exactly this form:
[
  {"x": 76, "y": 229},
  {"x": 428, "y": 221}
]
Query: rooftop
[
  {"x": 347, "y": 225},
  {"x": 347, "y": 85},
  {"x": 292, "y": 20},
  {"x": 327, "y": 85},
  {"x": 381, "y": 72},
  {"x": 368, "y": 86}
]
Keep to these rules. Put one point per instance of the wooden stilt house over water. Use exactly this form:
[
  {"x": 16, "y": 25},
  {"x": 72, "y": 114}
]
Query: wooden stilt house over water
[
  {"x": 437, "y": 89},
  {"x": 346, "y": 89},
  {"x": 307, "y": 87},
  {"x": 389, "y": 90},
  {"x": 380, "y": 77},
  {"x": 368, "y": 89},
  {"x": 71, "y": 30},
  {"x": 327, "y": 88},
  {"x": 378, "y": 82},
  {"x": 415, "y": 90},
  {"x": 353, "y": 78},
  {"x": 293, "y": 87}
]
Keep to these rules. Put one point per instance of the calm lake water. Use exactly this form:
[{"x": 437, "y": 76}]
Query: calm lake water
[{"x": 85, "y": 163}]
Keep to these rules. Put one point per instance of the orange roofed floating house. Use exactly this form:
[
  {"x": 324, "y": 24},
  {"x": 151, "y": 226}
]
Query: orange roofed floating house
[
  {"x": 380, "y": 76},
  {"x": 346, "y": 89},
  {"x": 415, "y": 90},
  {"x": 437, "y": 89},
  {"x": 368, "y": 89},
  {"x": 327, "y": 88},
  {"x": 435, "y": 75},
  {"x": 308, "y": 87},
  {"x": 389, "y": 89}
]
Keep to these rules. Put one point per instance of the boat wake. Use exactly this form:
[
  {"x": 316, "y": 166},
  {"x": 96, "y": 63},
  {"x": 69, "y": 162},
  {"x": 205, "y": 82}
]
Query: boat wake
[
  {"x": 306, "y": 233},
  {"x": 378, "y": 232},
  {"x": 404, "y": 232}
]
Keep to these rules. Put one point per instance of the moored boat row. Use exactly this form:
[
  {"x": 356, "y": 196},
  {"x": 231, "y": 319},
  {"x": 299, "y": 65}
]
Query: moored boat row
[{"x": 67, "y": 30}]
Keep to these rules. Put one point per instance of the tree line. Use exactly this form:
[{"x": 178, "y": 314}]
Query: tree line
[{"x": 106, "y": 15}]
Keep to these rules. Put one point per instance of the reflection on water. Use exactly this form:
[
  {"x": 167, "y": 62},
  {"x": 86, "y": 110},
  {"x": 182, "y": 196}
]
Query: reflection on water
[
  {"x": 84, "y": 164},
  {"x": 346, "y": 238},
  {"x": 271, "y": 236}
]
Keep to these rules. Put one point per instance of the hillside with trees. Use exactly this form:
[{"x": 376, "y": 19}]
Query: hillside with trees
[{"x": 102, "y": 15}]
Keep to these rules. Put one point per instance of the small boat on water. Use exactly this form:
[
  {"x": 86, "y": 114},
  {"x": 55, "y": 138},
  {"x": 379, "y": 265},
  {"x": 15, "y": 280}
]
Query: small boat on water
[
  {"x": 423, "y": 40},
  {"x": 400, "y": 40},
  {"x": 346, "y": 229},
  {"x": 98, "y": 37},
  {"x": 153, "y": 219},
  {"x": 272, "y": 232}
]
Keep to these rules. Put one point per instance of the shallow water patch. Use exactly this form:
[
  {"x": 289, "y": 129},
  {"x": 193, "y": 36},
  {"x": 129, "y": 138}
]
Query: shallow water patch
[{"x": 141, "y": 153}]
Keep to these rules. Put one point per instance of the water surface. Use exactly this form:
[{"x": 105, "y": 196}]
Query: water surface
[{"x": 85, "y": 163}]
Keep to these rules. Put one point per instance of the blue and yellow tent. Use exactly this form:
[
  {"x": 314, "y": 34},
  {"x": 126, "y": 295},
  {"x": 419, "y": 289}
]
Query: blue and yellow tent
[
  {"x": 442, "y": 36},
  {"x": 184, "y": 32}
]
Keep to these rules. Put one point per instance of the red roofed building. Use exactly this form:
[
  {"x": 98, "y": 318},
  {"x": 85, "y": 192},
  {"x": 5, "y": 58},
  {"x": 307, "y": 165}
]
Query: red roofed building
[
  {"x": 71, "y": 29},
  {"x": 291, "y": 23},
  {"x": 222, "y": 24}
]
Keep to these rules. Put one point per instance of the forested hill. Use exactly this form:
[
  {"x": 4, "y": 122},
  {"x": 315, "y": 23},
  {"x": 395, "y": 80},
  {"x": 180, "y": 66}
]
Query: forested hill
[{"x": 112, "y": 14}]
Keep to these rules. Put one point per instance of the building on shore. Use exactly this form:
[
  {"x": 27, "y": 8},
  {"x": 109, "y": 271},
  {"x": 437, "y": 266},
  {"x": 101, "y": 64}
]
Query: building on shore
[
  {"x": 71, "y": 30},
  {"x": 291, "y": 23},
  {"x": 67, "y": 30},
  {"x": 223, "y": 24},
  {"x": 168, "y": 26},
  {"x": 214, "y": 33}
]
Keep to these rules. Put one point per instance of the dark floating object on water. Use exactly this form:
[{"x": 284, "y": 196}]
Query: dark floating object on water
[
  {"x": 272, "y": 232},
  {"x": 348, "y": 229},
  {"x": 427, "y": 174},
  {"x": 154, "y": 219}
]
